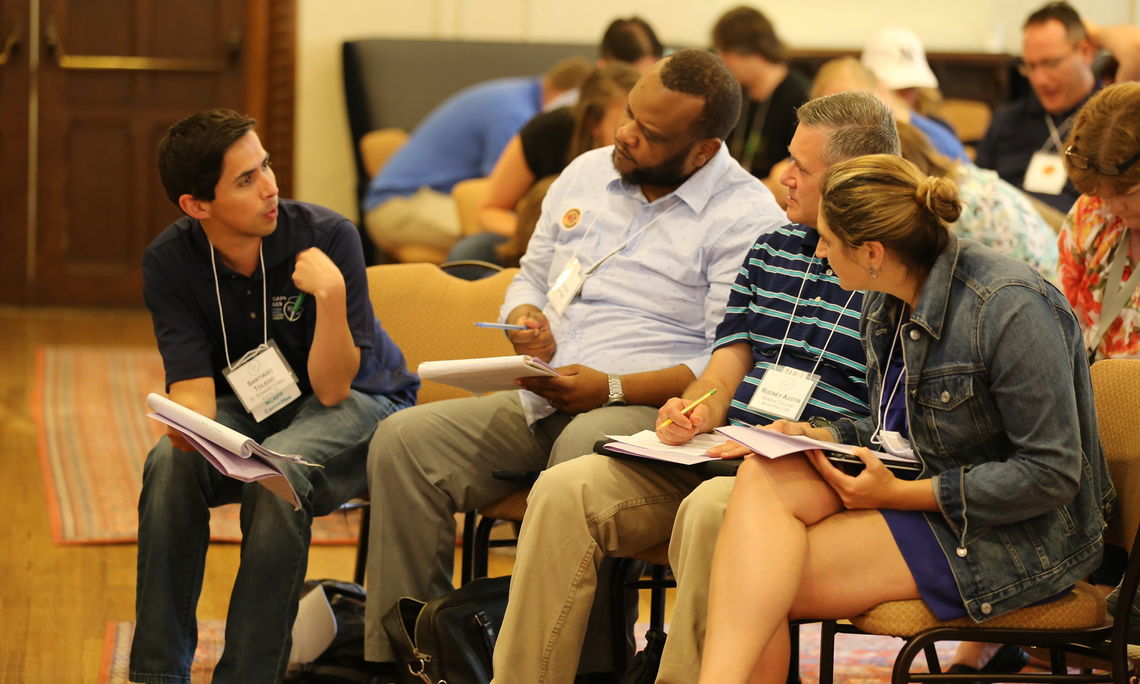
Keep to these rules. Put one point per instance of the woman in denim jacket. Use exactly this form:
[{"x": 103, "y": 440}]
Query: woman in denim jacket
[{"x": 976, "y": 367}]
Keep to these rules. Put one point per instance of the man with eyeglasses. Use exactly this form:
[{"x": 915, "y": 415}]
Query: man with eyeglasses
[{"x": 1025, "y": 141}]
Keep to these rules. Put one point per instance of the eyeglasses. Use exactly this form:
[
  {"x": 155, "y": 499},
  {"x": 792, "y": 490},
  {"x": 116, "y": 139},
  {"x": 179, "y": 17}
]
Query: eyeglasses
[
  {"x": 1083, "y": 163},
  {"x": 1052, "y": 64}
]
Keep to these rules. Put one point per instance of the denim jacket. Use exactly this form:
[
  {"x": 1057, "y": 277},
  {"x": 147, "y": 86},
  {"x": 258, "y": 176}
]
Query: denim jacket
[{"x": 1001, "y": 415}]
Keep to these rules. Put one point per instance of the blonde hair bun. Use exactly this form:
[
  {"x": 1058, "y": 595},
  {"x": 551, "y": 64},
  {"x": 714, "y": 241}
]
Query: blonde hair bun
[{"x": 940, "y": 197}]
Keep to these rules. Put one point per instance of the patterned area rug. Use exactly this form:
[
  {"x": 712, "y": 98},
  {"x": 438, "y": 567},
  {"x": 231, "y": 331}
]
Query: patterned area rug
[
  {"x": 117, "y": 651},
  {"x": 89, "y": 404},
  {"x": 859, "y": 659}
]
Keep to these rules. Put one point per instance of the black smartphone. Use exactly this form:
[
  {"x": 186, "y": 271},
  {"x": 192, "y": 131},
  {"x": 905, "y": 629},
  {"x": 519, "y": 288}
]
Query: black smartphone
[{"x": 853, "y": 465}]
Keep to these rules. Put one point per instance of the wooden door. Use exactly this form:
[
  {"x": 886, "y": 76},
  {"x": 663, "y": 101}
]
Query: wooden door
[
  {"x": 113, "y": 76},
  {"x": 103, "y": 79},
  {"x": 13, "y": 149}
]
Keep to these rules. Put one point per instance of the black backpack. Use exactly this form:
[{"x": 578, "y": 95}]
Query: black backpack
[{"x": 343, "y": 661}]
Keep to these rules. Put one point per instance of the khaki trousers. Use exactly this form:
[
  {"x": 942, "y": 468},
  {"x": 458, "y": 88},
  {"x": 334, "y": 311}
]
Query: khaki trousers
[
  {"x": 428, "y": 462},
  {"x": 580, "y": 512},
  {"x": 426, "y": 217}
]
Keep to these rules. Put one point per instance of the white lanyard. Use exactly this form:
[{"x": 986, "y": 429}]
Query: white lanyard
[
  {"x": 1116, "y": 293},
  {"x": 880, "y": 411},
  {"x": 1055, "y": 133},
  {"x": 625, "y": 242},
  {"x": 264, "y": 306},
  {"x": 792, "y": 318}
]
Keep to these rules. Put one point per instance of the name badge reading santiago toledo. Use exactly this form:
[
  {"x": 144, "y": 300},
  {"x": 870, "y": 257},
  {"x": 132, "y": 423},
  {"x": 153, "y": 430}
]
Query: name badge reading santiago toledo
[
  {"x": 566, "y": 286},
  {"x": 263, "y": 381},
  {"x": 783, "y": 392},
  {"x": 1046, "y": 174}
]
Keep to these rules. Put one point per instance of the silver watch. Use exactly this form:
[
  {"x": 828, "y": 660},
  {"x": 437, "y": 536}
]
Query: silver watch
[{"x": 617, "y": 396}]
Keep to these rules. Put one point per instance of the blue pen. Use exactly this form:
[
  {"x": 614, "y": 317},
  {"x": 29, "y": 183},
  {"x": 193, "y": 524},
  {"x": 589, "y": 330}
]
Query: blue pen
[{"x": 500, "y": 326}]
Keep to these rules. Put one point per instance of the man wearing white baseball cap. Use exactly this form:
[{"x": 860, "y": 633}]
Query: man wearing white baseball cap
[{"x": 897, "y": 57}]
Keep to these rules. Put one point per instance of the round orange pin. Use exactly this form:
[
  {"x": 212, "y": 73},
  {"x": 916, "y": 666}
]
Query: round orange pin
[{"x": 571, "y": 218}]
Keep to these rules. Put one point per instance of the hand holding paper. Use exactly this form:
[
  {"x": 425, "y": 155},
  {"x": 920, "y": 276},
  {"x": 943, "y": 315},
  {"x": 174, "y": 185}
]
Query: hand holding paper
[{"x": 486, "y": 374}]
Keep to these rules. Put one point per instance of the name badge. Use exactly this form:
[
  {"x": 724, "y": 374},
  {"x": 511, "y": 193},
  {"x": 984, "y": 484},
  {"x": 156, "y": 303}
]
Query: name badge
[
  {"x": 1046, "y": 174},
  {"x": 783, "y": 392},
  {"x": 566, "y": 286},
  {"x": 263, "y": 381},
  {"x": 895, "y": 444}
]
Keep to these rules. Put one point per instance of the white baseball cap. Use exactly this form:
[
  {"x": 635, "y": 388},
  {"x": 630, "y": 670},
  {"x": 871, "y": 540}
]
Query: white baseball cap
[{"x": 897, "y": 57}]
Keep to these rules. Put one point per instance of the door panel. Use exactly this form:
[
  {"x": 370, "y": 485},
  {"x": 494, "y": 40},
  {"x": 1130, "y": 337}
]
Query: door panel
[
  {"x": 13, "y": 150},
  {"x": 100, "y": 202}
]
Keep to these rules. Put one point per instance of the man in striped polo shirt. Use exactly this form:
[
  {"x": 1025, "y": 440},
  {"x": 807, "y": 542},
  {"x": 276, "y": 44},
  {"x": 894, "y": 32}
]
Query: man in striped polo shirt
[{"x": 786, "y": 317}]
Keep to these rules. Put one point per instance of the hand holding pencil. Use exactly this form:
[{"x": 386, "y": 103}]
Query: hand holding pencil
[{"x": 693, "y": 413}]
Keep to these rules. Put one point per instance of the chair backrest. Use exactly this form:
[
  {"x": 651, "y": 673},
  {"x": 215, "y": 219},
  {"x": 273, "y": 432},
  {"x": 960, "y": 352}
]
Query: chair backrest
[
  {"x": 1116, "y": 384},
  {"x": 469, "y": 195},
  {"x": 377, "y": 147},
  {"x": 970, "y": 118},
  {"x": 431, "y": 315}
]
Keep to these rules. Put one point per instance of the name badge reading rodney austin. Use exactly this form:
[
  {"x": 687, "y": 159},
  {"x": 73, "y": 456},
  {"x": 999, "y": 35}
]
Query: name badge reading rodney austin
[
  {"x": 566, "y": 286},
  {"x": 263, "y": 381},
  {"x": 784, "y": 392},
  {"x": 1046, "y": 174}
]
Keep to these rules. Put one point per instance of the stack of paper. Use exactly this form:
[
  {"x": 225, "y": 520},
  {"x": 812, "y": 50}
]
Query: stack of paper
[
  {"x": 767, "y": 443},
  {"x": 486, "y": 374},
  {"x": 232, "y": 453}
]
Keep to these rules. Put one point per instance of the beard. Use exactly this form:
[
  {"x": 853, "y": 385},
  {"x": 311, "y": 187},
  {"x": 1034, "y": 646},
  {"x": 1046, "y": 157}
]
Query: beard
[{"x": 669, "y": 173}]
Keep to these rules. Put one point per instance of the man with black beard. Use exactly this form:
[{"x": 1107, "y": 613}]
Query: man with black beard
[{"x": 621, "y": 289}]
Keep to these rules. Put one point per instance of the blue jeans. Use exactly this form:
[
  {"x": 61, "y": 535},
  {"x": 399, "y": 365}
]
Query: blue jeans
[{"x": 179, "y": 488}]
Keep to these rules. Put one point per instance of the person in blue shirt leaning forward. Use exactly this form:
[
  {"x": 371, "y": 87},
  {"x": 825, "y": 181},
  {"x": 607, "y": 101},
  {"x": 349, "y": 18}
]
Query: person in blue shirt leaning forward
[
  {"x": 786, "y": 316},
  {"x": 622, "y": 286},
  {"x": 248, "y": 278}
]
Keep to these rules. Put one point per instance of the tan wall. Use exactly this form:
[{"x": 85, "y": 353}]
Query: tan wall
[{"x": 324, "y": 167}]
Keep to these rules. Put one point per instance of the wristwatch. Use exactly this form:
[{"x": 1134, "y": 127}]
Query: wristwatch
[
  {"x": 819, "y": 422},
  {"x": 617, "y": 396}
]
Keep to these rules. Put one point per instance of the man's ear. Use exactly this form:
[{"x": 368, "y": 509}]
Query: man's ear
[
  {"x": 706, "y": 150},
  {"x": 194, "y": 207},
  {"x": 1088, "y": 53}
]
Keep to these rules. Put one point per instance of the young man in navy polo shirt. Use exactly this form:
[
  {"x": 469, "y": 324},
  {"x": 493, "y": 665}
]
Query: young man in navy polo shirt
[{"x": 247, "y": 281}]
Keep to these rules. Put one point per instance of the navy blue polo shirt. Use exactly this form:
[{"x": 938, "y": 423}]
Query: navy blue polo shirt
[
  {"x": 1017, "y": 131},
  {"x": 179, "y": 290},
  {"x": 781, "y": 264}
]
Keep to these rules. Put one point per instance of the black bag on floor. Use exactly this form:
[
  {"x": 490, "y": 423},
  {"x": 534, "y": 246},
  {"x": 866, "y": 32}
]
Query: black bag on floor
[
  {"x": 450, "y": 639},
  {"x": 343, "y": 661}
]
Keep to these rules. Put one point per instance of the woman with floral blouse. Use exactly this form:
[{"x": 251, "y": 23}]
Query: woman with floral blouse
[{"x": 1099, "y": 247}]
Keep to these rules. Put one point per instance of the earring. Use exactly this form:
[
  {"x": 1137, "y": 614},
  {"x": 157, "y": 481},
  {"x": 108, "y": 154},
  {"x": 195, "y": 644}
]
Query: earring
[{"x": 874, "y": 272}]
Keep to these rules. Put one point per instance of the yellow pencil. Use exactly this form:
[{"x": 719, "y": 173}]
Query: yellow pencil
[{"x": 690, "y": 407}]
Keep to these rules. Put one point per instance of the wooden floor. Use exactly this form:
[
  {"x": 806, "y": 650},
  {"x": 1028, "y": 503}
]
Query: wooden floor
[{"x": 56, "y": 601}]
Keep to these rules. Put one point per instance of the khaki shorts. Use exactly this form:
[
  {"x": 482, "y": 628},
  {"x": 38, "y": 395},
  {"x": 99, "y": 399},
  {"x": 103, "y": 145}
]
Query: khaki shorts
[{"x": 427, "y": 218}]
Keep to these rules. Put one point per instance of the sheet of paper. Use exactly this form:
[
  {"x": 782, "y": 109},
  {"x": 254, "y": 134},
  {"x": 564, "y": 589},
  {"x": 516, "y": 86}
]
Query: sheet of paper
[
  {"x": 252, "y": 469},
  {"x": 646, "y": 445},
  {"x": 314, "y": 628},
  {"x": 775, "y": 444},
  {"x": 486, "y": 374}
]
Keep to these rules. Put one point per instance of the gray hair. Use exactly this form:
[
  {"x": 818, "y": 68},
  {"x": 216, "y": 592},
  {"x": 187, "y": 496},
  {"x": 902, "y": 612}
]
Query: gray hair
[{"x": 857, "y": 123}]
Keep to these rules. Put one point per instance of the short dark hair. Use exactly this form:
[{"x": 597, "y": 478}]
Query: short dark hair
[
  {"x": 191, "y": 154},
  {"x": 630, "y": 40},
  {"x": 1064, "y": 13},
  {"x": 700, "y": 73},
  {"x": 747, "y": 31}
]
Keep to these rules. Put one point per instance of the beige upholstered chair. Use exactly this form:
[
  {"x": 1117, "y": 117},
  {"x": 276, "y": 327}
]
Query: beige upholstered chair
[
  {"x": 377, "y": 147},
  {"x": 970, "y": 118},
  {"x": 1076, "y": 624},
  {"x": 431, "y": 316}
]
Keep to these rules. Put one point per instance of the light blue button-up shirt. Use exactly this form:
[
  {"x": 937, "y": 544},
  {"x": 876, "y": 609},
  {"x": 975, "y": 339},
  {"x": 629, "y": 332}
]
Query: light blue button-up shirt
[{"x": 657, "y": 301}]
